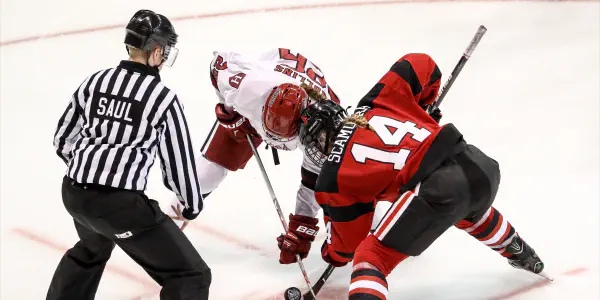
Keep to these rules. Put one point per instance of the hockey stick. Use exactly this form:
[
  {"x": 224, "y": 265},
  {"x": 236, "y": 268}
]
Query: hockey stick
[
  {"x": 278, "y": 208},
  {"x": 320, "y": 282},
  {"x": 461, "y": 63}
]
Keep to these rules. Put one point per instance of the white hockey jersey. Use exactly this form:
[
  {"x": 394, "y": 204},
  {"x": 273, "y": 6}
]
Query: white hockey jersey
[{"x": 244, "y": 83}]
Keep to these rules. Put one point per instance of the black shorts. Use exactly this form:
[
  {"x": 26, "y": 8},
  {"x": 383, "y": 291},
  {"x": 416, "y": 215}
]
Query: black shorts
[{"x": 464, "y": 186}]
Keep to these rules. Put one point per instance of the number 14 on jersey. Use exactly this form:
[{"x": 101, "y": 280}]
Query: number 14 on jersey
[{"x": 391, "y": 132}]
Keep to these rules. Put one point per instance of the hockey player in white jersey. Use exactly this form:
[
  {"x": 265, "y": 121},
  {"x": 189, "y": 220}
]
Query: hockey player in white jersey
[{"x": 263, "y": 97}]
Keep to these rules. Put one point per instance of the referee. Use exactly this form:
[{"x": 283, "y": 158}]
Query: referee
[{"x": 109, "y": 135}]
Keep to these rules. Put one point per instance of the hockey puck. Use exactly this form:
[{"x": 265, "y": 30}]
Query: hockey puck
[{"x": 292, "y": 293}]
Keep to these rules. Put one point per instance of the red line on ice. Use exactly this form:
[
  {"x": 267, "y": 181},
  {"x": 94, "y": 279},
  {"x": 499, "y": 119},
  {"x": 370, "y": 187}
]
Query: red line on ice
[
  {"x": 575, "y": 271},
  {"x": 197, "y": 226},
  {"x": 232, "y": 239},
  {"x": 62, "y": 248},
  {"x": 338, "y": 292},
  {"x": 538, "y": 284},
  {"x": 137, "y": 278},
  {"x": 254, "y": 11}
]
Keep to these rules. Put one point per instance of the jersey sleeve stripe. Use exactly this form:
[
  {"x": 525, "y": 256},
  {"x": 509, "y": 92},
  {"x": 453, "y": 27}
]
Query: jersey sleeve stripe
[
  {"x": 368, "y": 99},
  {"x": 418, "y": 72},
  {"x": 348, "y": 213},
  {"x": 435, "y": 76},
  {"x": 405, "y": 70},
  {"x": 194, "y": 190}
]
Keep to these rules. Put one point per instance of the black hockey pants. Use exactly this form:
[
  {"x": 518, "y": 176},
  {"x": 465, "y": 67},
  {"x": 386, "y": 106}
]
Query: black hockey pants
[
  {"x": 463, "y": 187},
  {"x": 105, "y": 216}
]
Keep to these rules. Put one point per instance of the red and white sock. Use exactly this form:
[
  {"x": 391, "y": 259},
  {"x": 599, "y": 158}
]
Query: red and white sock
[
  {"x": 368, "y": 284},
  {"x": 492, "y": 229},
  {"x": 373, "y": 262}
]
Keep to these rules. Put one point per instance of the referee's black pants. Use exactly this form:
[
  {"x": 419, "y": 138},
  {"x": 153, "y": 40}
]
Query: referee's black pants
[{"x": 105, "y": 216}]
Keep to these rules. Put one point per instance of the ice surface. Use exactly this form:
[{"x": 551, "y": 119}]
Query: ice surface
[{"x": 529, "y": 97}]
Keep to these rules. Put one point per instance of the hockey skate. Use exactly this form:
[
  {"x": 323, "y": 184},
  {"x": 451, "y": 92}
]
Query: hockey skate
[{"x": 524, "y": 257}]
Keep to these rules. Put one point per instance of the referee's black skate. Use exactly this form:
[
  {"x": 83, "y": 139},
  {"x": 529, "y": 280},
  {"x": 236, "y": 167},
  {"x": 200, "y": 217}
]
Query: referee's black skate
[{"x": 524, "y": 257}]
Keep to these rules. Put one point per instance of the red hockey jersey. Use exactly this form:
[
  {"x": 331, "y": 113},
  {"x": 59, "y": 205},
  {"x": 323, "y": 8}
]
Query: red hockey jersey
[{"x": 367, "y": 166}]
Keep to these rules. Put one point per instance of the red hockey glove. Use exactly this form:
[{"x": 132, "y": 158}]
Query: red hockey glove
[
  {"x": 332, "y": 259},
  {"x": 301, "y": 232},
  {"x": 237, "y": 124}
]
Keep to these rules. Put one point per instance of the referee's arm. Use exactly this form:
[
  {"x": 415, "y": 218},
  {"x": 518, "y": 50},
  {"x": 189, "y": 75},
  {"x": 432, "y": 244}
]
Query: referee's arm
[
  {"x": 178, "y": 162},
  {"x": 69, "y": 126}
]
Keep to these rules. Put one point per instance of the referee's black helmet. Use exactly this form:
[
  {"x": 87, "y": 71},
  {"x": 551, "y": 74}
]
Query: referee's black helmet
[{"x": 147, "y": 29}]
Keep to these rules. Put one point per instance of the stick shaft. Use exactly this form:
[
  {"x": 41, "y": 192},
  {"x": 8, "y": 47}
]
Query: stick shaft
[
  {"x": 320, "y": 282},
  {"x": 278, "y": 208},
  {"x": 461, "y": 63}
]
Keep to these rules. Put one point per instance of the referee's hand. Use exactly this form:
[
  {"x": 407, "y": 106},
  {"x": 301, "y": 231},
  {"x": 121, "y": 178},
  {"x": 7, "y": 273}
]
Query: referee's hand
[{"x": 179, "y": 217}]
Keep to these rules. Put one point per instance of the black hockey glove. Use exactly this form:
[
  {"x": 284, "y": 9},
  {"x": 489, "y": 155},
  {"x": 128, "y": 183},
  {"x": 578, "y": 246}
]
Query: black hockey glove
[{"x": 436, "y": 114}]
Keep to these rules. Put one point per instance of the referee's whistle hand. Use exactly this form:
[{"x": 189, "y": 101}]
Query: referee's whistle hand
[{"x": 179, "y": 217}]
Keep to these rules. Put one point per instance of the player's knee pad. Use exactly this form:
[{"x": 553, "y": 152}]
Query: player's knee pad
[{"x": 372, "y": 252}]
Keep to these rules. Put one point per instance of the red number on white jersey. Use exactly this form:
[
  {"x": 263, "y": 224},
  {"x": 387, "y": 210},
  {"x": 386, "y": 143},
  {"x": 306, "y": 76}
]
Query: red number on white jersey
[{"x": 313, "y": 72}]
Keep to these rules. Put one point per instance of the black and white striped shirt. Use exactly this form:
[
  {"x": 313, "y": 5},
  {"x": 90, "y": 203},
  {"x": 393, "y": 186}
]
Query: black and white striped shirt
[{"x": 116, "y": 122}]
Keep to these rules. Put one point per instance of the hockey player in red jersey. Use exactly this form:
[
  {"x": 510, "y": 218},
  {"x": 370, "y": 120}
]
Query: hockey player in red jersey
[{"x": 391, "y": 149}]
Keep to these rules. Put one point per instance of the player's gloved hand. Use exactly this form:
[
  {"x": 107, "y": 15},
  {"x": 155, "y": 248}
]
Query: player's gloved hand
[
  {"x": 436, "y": 114},
  {"x": 301, "y": 232},
  {"x": 332, "y": 258},
  {"x": 237, "y": 124}
]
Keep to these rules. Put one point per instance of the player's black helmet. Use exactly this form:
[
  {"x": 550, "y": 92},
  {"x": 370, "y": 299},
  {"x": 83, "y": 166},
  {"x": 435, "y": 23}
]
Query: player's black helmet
[
  {"x": 147, "y": 29},
  {"x": 321, "y": 121}
]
